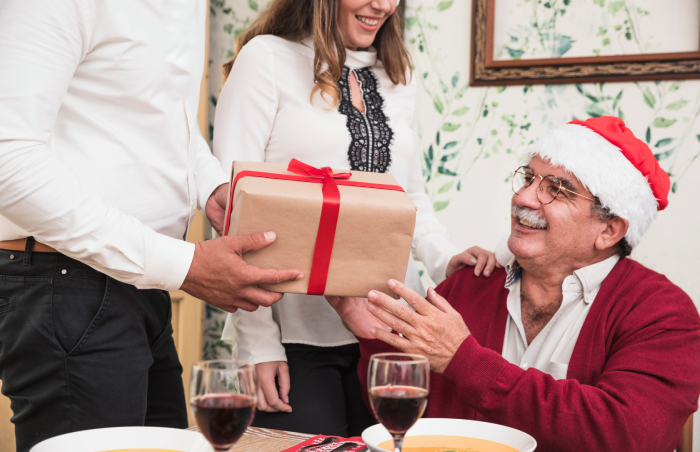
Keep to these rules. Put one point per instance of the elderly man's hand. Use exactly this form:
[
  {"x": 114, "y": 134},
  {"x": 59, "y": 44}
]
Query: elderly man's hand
[{"x": 434, "y": 329}]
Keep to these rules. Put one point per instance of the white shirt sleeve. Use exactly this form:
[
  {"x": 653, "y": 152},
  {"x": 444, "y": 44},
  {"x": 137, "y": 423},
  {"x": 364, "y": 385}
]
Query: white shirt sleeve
[
  {"x": 41, "y": 44},
  {"x": 431, "y": 241},
  {"x": 245, "y": 114},
  {"x": 208, "y": 173}
]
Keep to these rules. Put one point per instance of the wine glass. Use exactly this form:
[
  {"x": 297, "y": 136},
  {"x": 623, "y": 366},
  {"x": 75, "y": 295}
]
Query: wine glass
[
  {"x": 398, "y": 391},
  {"x": 223, "y": 397}
]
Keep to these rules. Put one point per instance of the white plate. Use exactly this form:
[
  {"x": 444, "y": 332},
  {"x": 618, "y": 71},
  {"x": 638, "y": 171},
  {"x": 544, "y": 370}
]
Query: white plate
[
  {"x": 377, "y": 434},
  {"x": 103, "y": 439}
]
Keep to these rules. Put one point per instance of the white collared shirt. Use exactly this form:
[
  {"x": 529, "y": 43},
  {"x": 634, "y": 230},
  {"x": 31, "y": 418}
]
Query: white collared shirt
[
  {"x": 100, "y": 152},
  {"x": 551, "y": 350}
]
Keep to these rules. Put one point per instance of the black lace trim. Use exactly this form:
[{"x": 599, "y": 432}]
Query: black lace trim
[{"x": 370, "y": 132}]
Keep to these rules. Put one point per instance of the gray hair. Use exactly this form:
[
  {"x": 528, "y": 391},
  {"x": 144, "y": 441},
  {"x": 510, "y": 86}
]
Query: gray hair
[{"x": 604, "y": 214}]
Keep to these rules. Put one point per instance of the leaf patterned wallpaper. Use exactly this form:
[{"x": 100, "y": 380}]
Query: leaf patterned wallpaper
[{"x": 472, "y": 138}]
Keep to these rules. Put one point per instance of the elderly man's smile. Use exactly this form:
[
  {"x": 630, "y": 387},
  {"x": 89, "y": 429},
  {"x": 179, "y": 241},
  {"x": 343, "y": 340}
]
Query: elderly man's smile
[
  {"x": 528, "y": 219},
  {"x": 528, "y": 225}
]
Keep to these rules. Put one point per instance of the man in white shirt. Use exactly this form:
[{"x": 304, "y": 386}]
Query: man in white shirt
[{"x": 102, "y": 166}]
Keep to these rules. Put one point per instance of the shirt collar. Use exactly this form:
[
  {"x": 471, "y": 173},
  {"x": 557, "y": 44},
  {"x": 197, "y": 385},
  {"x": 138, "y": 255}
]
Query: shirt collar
[
  {"x": 354, "y": 59},
  {"x": 591, "y": 276},
  {"x": 513, "y": 272}
]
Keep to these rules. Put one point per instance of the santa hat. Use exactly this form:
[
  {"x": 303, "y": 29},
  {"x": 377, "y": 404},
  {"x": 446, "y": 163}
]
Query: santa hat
[{"x": 613, "y": 165}]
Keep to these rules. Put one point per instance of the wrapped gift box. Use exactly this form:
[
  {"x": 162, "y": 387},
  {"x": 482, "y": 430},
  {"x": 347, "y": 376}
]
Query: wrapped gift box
[{"x": 373, "y": 232}]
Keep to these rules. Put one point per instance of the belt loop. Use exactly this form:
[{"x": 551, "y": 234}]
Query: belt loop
[{"x": 28, "y": 252}]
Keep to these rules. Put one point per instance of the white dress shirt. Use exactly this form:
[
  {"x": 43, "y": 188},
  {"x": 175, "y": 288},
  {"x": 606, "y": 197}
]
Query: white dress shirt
[
  {"x": 551, "y": 350},
  {"x": 264, "y": 114},
  {"x": 101, "y": 156}
]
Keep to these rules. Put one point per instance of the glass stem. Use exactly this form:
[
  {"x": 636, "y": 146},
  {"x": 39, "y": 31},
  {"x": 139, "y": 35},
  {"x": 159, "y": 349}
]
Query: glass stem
[{"x": 398, "y": 441}]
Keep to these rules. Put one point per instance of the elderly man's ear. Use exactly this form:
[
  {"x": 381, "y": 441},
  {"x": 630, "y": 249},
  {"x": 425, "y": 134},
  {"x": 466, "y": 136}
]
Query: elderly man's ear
[{"x": 615, "y": 230}]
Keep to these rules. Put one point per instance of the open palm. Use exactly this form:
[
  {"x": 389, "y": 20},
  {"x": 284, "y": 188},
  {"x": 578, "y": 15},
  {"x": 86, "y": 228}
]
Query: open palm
[{"x": 353, "y": 311}]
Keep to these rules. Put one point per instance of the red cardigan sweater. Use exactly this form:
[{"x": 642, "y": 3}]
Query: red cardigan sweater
[{"x": 632, "y": 382}]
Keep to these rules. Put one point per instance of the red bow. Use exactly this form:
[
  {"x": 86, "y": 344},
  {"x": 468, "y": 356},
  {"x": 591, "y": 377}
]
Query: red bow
[{"x": 327, "y": 224}]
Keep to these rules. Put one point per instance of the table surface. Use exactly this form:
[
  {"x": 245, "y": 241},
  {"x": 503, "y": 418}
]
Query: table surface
[{"x": 266, "y": 440}]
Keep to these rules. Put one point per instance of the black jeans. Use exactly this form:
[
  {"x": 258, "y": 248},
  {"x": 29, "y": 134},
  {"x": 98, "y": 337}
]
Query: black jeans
[
  {"x": 325, "y": 396},
  {"x": 79, "y": 350}
]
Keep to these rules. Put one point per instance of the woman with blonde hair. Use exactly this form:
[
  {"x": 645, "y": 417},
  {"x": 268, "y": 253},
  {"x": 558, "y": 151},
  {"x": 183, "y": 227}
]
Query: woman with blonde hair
[{"x": 327, "y": 82}]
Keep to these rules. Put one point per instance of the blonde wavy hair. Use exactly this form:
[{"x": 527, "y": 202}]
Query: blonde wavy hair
[{"x": 294, "y": 20}]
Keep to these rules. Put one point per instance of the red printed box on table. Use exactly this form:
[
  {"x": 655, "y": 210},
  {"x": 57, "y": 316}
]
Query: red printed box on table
[{"x": 349, "y": 232}]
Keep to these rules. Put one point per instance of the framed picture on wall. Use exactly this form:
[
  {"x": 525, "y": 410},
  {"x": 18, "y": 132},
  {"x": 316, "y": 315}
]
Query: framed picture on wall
[{"x": 579, "y": 41}]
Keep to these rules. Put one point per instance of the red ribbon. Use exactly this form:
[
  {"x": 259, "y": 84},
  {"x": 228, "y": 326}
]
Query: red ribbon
[{"x": 329, "y": 211}]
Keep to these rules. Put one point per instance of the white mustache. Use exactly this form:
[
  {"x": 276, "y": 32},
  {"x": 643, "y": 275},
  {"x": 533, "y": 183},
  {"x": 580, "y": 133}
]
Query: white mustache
[{"x": 530, "y": 215}]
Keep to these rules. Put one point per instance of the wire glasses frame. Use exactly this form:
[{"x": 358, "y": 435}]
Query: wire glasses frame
[{"x": 545, "y": 194}]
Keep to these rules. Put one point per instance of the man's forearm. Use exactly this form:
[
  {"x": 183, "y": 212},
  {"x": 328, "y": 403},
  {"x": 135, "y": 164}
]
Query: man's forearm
[{"x": 561, "y": 414}]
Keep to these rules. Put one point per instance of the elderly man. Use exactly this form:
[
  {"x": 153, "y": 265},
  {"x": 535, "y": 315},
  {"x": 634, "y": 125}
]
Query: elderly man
[{"x": 573, "y": 342}]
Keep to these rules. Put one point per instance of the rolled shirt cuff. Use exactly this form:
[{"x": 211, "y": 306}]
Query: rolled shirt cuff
[{"x": 168, "y": 264}]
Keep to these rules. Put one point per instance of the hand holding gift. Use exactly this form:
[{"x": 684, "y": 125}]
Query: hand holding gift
[{"x": 239, "y": 290}]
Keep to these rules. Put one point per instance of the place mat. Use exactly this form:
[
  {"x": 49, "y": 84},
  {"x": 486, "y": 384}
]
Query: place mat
[
  {"x": 329, "y": 447},
  {"x": 265, "y": 440}
]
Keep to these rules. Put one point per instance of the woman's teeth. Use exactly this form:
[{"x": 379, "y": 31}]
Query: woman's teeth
[{"x": 367, "y": 21}]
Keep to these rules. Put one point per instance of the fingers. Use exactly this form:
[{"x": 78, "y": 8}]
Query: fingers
[
  {"x": 254, "y": 242},
  {"x": 253, "y": 296},
  {"x": 397, "y": 308},
  {"x": 333, "y": 301},
  {"x": 467, "y": 258},
  {"x": 262, "y": 403},
  {"x": 221, "y": 195},
  {"x": 389, "y": 319},
  {"x": 234, "y": 305},
  {"x": 438, "y": 301},
  {"x": 481, "y": 261},
  {"x": 490, "y": 264},
  {"x": 284, "y": 382},
  {"x": 271, "y": 277},
  {"x": 271, "y": 397},
  {"x": 394, "y": 340},
  {"x": 412, "y": 298}
]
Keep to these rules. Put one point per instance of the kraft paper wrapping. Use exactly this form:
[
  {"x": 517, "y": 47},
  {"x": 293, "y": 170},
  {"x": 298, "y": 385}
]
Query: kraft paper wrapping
[{"x": 372, "y": 240}]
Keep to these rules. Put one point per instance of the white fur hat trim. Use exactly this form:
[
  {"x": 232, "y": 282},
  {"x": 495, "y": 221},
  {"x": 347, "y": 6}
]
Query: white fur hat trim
[{"x": 604, "y": 171}]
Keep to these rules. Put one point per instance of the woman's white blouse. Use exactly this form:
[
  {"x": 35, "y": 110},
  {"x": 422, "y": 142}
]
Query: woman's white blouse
[{"x": 264, "y": 114}]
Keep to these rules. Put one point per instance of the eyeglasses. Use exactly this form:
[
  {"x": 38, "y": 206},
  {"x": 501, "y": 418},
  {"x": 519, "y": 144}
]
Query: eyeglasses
[{"x": 548, "y": 189}]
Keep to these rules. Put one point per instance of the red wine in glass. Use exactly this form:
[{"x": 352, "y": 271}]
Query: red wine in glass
[
  {"x": 222, "y": 418},
  {"x": 398, "y": 407},
  {"x": 398, "y": 385},
  {"x": 223, "y": 396}
]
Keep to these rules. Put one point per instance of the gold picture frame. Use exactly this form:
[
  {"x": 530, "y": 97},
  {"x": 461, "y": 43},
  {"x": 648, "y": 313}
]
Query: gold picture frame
[{"x": 486, "y": 71}]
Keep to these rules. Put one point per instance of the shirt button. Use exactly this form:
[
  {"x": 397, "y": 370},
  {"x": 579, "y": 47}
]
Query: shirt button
[
  {"x": 63, "y": 272},
  {"x": 12, "y": 256},
  {"x": 524, "y": 366}
]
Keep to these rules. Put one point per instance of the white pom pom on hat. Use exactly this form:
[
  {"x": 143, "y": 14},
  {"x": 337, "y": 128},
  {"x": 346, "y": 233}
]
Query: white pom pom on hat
[{"x": 613, "y": 165}]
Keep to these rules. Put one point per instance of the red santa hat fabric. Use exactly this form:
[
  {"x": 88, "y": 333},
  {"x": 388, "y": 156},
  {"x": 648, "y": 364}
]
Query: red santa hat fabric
[{"x": 613, "y": 165}]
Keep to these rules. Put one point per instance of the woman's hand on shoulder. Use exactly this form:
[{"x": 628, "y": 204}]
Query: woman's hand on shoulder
[{"x": 482, "y": 260}]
